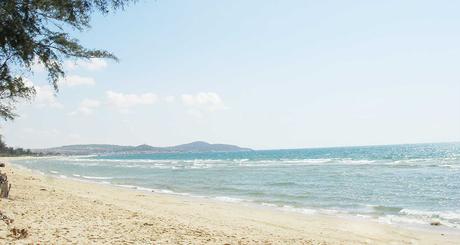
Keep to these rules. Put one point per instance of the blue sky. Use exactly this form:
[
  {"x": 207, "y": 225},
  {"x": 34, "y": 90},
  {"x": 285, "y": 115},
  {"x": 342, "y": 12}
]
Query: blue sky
[{"x": 261, "y": 74}]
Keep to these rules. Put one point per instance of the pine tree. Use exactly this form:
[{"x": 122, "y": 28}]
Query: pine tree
[{"x": 35, "y": 31}]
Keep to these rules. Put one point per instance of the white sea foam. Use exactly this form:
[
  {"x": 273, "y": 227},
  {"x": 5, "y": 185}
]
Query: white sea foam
[
  {"x": 298, "y": 210},
  {"x": 329, "y": 211},
  {"x": 452, "y": 166},
  {"x": 446, "y": 215},
  {"x": 245, "y": 162},
  {"x": 419, "y": 217},
  {"x": 164, "y": 191},
  {"x": 96, "y": 177},
  {"x": 392, "y": 219},
  {"x": 241, "y": 160},
  {"x": 269, "y": 204},
  {"x": 145, "y": 189},
  {"x": 229, "y": 199},
  {"x": 54, "y": 172},
  {"x": 128, "y": 186},
  {"x": 363, "y": 216}
]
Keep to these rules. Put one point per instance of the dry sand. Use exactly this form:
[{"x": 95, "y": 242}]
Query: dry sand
[{"x": 63, "y": 211}]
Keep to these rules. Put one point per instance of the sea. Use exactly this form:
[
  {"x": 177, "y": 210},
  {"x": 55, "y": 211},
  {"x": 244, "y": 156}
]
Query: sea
[{"x": 397, "y": 184}]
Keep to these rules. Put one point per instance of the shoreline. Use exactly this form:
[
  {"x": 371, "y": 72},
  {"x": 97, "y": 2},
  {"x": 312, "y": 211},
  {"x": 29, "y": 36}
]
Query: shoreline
[
  {"x": 183, "y": 218},
  {"x": 303, "y": 211},
  {"x": 342, "y": 214}
]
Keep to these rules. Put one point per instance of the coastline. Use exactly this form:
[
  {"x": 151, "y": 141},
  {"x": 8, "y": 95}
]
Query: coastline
[{"x": 61, "y": 210}]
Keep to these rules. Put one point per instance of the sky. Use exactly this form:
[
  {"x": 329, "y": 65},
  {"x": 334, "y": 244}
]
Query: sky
[{"x": 261, "y": 74}]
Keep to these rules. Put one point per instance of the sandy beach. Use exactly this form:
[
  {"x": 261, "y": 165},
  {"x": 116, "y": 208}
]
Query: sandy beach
[{"x": 63, "y": 211}]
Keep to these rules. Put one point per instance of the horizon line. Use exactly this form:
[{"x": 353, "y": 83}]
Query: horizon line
[{"x": 266, "y": 149}]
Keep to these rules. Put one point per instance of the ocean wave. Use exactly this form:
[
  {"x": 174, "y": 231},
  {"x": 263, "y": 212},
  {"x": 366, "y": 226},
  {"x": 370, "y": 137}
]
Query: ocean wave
[
  {"x": 153, "y": 190},
  {"x": 283, "y": 183},
  {"x": 446, "y": 215},
  {"x": 303, "y": 210},
  {"x": 446, "y": 162},
  {"x": 392, "y": 219},
  {"x": 452, "y": 166},
  {"x": 420, "y": 217}
]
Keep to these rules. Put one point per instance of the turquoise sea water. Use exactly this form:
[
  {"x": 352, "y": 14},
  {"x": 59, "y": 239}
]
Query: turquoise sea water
[{"x": 396, "y": 184}]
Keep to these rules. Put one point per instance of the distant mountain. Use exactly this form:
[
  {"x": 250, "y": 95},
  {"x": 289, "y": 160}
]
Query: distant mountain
[
  {"x": 197, "y": 146},
  {"x": 201, "y": 146}
]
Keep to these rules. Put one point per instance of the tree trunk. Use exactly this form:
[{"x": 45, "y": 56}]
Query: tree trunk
[{"x": 4, "y": 186}]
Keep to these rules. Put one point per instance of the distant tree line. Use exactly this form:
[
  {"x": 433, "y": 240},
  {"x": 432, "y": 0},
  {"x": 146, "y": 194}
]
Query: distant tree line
[{"x": 11, "y": 151}]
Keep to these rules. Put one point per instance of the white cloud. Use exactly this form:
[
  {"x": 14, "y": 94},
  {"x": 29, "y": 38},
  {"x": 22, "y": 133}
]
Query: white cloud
[
  {"x": 86, "y": 107},
  {"x": 74, "y": 80},
  {"x": 45, "y": 97},
  {"x": 122, "y": 100},
  {"x": 205, "y": 101},
  {"x": 91, "y": 64},
  {"x": 169, "y": 99}
]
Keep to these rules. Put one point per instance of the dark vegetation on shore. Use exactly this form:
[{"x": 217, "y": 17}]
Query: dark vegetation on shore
[{"x": 6, "y": 151}]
